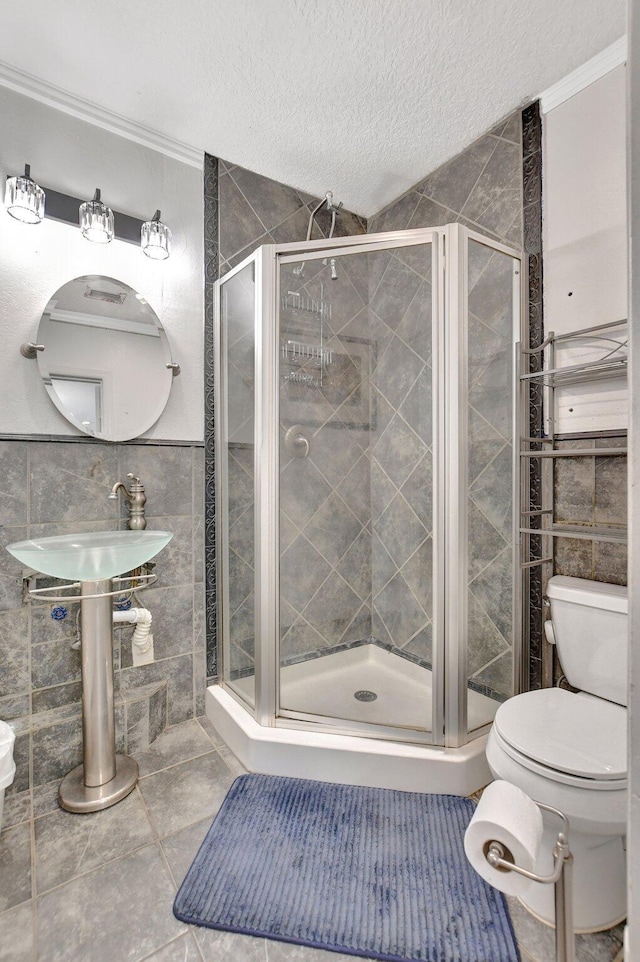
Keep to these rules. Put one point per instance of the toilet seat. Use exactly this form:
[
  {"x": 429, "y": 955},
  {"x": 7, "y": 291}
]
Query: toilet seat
[{"x": 571, "y": 738}]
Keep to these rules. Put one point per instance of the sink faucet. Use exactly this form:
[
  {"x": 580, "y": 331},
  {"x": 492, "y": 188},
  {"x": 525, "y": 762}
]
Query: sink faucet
[{"x": 136, "y": 500}]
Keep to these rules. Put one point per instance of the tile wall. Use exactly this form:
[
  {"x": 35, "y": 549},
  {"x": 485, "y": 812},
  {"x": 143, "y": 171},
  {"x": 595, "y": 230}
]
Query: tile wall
[
  {"x": 52, "y": 488},
  {"x": 401, "y": 456},
  {"x": 490, "y": 466},
  {"x": 337, "y": 586},
  {"x": 591, "y": 492},
  {"x": 325, "y": 576},
  {"x": 481, "y": 188},
  {"x": 255, "y": 210}
]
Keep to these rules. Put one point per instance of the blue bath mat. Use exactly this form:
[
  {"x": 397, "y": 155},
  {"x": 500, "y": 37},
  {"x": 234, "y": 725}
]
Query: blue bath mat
[{"x": 362, "y": 871}]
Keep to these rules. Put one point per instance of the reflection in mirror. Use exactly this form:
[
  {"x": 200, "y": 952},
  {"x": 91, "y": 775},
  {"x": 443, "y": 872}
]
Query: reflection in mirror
[{"x": 105, "y": 357}]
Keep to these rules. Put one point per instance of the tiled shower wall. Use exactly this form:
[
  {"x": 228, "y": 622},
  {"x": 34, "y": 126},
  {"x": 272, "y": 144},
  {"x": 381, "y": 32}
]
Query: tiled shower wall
[
  {"x": 325, "y": 576},
  {"x": 491, "y": 576},
  {"x": 481, "y": 188},
  {"x": 53, "y": 488},
  {"x": 401, "y": 456},
  {"x": 255, "y": 210}
]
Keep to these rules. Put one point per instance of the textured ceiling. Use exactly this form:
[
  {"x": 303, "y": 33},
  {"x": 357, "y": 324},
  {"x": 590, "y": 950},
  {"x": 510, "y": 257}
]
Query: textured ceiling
[{"x": 364, "y": 97}]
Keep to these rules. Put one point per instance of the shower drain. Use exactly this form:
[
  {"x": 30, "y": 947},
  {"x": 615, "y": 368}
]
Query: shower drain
[{"x": 364, "y": 695}]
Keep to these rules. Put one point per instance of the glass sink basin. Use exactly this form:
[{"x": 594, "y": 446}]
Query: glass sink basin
[{"x": 91, "y": 556}]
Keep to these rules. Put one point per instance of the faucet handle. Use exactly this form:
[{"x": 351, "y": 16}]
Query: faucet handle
[{"x": 132, "y": 477}]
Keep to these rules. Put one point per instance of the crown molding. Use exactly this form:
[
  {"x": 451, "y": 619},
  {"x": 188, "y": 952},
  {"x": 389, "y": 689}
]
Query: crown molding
[
  {"x": 52, "y": 96},
  {"x": 610, "y": 58}
]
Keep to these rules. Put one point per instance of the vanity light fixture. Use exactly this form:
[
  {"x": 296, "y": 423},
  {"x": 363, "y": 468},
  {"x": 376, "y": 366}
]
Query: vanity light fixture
[
  {"x": 96, "y": 220},
  {"x": 24, "y": 199},
  {"x": 155, "y": 238}
]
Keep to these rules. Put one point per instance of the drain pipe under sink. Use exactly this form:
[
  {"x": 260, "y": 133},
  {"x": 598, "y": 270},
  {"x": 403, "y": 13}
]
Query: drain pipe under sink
[{"x": 142, "y": 640}]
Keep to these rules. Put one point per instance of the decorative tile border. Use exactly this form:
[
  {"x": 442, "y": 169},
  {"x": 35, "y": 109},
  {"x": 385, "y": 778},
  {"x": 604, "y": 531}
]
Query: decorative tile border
[
  {"x": 532, "y": 199},
  {"x": 211, "y": 251}
]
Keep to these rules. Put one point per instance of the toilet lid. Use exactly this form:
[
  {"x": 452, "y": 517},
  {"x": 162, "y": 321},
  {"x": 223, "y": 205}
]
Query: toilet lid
[{"x": 567, "y": 732}]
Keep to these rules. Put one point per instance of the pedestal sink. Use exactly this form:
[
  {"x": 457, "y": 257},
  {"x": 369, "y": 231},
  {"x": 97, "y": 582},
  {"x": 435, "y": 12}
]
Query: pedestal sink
[{"x": 93, "y": 559}]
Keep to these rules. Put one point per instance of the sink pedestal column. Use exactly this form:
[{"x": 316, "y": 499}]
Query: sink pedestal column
[{"x": 104, "y": 778}]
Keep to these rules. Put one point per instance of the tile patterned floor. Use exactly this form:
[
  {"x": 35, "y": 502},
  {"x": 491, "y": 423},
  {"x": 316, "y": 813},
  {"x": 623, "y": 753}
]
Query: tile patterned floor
[{"x": 99, "y": 888}]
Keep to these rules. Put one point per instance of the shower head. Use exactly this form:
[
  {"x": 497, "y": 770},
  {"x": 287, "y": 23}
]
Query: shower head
[
  {"x": 326, "y": 202},
  {"x": 331, "y": 207}
]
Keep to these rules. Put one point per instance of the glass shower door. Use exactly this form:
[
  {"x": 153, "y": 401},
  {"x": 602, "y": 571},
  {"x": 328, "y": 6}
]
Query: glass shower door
[
  {"x": 493, "y": 313},
  {"x": 365, "y": 425},
  {"x": 356, "y": 507},
  {"x": 236, "y": 485}
]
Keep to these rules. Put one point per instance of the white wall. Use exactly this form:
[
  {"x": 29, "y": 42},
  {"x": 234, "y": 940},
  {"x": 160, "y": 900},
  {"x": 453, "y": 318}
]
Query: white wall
[
  {"x": 584, "y": 201},
  {"x": 584, "y": 237},
  {"x": 587, "y": 223},
  {"x": 74, "y": 157}
]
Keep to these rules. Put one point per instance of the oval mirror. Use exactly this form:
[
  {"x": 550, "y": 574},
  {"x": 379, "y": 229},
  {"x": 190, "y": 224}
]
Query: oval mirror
[{"x": 105, "y": 357}]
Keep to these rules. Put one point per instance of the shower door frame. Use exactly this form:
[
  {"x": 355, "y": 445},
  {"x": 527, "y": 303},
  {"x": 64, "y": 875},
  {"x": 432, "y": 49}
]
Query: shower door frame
[
  {"x": 361, "y": 244},
  {"x": 449, "y": 446},
  {"x": 262, "y": 582},
  {"x": 457, "y": 731}
]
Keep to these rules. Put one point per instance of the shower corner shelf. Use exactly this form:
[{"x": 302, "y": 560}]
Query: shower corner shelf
[{"x": 550, "y": 377}]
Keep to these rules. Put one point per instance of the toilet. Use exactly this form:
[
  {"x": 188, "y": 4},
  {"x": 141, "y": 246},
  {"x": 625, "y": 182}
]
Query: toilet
[
  {"x": 569, "y": 750},
  {"x": 7, "y": 763}
]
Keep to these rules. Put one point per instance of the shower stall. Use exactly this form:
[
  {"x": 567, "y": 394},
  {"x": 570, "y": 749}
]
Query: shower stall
[{"x": 367, "y": 495}]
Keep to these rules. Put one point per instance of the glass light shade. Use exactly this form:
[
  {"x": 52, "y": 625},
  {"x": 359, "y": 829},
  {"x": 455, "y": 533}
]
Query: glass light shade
[
  {"x": 24, "y": 199},
  {"x": 96, "y": 221},
  {"x": 155, "y": 239}
]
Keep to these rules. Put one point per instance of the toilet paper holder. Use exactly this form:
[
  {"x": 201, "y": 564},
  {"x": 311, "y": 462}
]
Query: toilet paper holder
[{"x": 499, "y": 857}]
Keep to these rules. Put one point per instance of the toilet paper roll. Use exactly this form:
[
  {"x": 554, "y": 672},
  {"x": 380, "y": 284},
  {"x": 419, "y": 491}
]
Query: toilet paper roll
[{"x": 507, "y": 815}]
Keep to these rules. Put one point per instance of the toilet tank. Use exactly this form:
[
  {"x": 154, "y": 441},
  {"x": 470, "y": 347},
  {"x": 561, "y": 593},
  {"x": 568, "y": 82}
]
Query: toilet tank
[{"x": 590, "y": 627}]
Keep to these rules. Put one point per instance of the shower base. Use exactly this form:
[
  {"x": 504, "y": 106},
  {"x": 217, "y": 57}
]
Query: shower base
[{"x": 327, "y": 686}]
